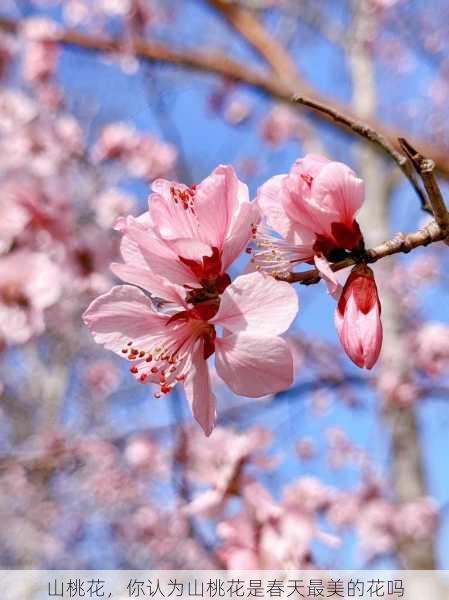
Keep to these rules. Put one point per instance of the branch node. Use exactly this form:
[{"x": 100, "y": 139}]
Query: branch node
[{"x": 425, "y": 168}]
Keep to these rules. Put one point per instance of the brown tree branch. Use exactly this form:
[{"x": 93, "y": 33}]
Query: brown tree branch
[
  {"x": 210, "y": 61},
  {"x": 213, "y": 62},
  {"x": 399, "y": 243},
  {"x": 250, "y": 28},
  {"x": 425, "y": 168}
]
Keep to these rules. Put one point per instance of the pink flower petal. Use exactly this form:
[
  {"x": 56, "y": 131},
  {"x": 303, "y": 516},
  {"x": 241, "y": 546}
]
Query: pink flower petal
[
  {"x": 131, "y": 252},
  {"x": 311, "y": 164},
  {"x": 137, "y": 271},
  {"x": 240, "y": 233},
  {"x": 254, "y": 366},
  {"x": 329, "y": 277},
  {"x": 360, "y": 334},
  {"x": 269, "y": 199},
  {"x": 370, "y": 327},
  {"x": 160, "y": 257},
  {"x": 198, "y": 391},
  {"x": 357, "y": 318},
  {"x": 338, "y": 191},
  {"x": 308, "y": 217},
  {"x": 168, "y": 217},
  {"x": 124, "y": 314},
  {"x": 216, "y": 201},
  {"x": 206, "y": 503},
  {"x": 154, "y": 284},
  {"x": 191, "y": 249},
  {"x": 347, "y": 328},
  {"x": 257, "y": 304}
]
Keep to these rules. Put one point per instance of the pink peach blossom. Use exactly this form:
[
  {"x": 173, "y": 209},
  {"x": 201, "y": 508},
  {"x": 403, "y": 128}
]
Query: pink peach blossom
[
  {"x": 239, "y": 549},
  {"x": 152, "y": 158},
  {"x": 375, "y": 529},
  {"x": 13, "y": 219},
  {"x": 188, "y": 238},
  {"x": 38, "y": 210},
  {"x": 116, "y": 141},
  {"x": 343, "y": 452},
  {"x": 88, "y": 259},
  {"x": 40, "y": 61},
  {"x": 142, "y": 453},
  {"x": 308, "y": 494},
  {"x": 281, "y": 124},
  {"x": 142, "y": 155},
  {"x": 69, "y": 134},
  {"x": 227, "y": 474},
  {"x": 396, "y": 388},
  {"x": 110, "y": 205},
  {"x": 102, "y": 377},
  {"x": 313, "y": 208},
  {"x": 170, "y": 347},
  {"x": 270, "y": 535},
  {"x": 29, "y": 283},
  {"x": 418, "y": 519},
  {"x": 357, "y": 318},
  {"x": 237, "y": 111},
  {"x": 306, "y": 449},
  {"x": 432, "y": 348},
  {"x": 41, "y": 50}
]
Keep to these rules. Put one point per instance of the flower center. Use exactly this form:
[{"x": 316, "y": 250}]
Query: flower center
[
  {"x": 85, "y": 261},
  {"x": 308, "y": 179},
  {"x": 208, "y": 271},
  {"x": 170, "y": 362},
  {"x": 342, "y": 239},
  {"x": 274, "y": 255},
  {"x": 13, "y": 295},
  {"x": 183, "y": 196}
]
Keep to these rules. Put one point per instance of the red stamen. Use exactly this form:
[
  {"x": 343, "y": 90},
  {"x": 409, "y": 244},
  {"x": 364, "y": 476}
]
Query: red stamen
[{"x": 308, "y": 179}]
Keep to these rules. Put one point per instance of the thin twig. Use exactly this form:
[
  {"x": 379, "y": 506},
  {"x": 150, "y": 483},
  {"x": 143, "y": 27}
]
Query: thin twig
[
  {"x": 425, "y": 168},
  {"x": 216, "y": 63},
  {"x": 374, "y": 137},
  {"x": 255, "y": 34},
  {"x": 400, "y": 243}
]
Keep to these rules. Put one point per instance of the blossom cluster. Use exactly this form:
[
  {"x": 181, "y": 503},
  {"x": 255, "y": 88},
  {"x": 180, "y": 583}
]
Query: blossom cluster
[
  {"x": 267, "y": 533},
  {"x": 180, "y": 250},
  {"x": 56, "y": 214}
]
